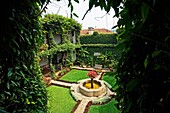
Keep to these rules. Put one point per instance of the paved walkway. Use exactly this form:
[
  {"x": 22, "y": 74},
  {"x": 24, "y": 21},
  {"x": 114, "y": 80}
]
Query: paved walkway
[
  {"x": 60, "y": 83},
  {"x": 82, "y": 106},
  {"x": 82, "y": 68},
  {"x": 99, "y": 76},
  {"x": 89, "y": 68}
]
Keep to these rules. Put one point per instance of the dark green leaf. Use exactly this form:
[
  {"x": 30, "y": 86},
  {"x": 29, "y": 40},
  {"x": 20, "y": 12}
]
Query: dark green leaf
[
  {"x": 72, "y": 8},
  {"x": 156, "y": 53},
  {"x": 13, "y": 83},
  {"x": 8, "y": 86},
  {"x": 156, "y": 67},
  {"x": 146, "y": 62},
  {"x": 91, "y": 3},
  {"x": 76, "y": 1},
  {"x": 128, "y": 107},
  {"x": 71, "y": 16},
  {"x": 26, "y": 68},
  {"x": 132, "y": 84},
  {"x": 10, "y": 72},
  {"x": 21, "y": 73},
  {"x": 7, "y": 92},
  {"x": 167, "y": 38},
  {"x": 103, "y": 4},
  {"x": 15, "y": 43},
  {"x": 97, "y": 4},
  {"x": 75, "y": 15},
  {"x": 144, "y": 11},
  {"x": 69, "y": 4}
]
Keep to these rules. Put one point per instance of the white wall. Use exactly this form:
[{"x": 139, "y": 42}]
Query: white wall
[{"x": 44, "y": 61}]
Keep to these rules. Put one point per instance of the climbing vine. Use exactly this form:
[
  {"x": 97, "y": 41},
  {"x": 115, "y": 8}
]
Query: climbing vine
[
  {"x": 22, "y": 89},
  {"x": 143, "y": 70},
  {"x": 65, "y": 28},
  {"x": 58, "y": 24}
]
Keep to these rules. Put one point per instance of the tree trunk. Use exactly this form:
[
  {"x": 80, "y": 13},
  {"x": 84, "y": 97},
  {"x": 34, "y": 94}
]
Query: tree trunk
[{"x": 92, "y": 83}]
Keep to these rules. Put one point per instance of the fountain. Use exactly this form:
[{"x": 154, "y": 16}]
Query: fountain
[
  {"x": 95, "y": 85},
  {"x": 98, "y": 91}
]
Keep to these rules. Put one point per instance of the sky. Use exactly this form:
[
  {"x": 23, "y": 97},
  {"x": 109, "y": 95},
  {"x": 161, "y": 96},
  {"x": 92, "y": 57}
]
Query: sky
[{"x": 96, "y": 18}]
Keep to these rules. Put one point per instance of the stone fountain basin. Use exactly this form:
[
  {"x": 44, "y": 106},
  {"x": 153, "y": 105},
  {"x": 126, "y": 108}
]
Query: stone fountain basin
[{"x": 92, "y": 92}]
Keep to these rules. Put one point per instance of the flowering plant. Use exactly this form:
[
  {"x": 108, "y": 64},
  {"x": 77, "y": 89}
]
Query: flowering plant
[{"x": 92, "y": 74}]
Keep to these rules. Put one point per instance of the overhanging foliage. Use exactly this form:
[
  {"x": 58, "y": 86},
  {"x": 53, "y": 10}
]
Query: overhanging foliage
[
  {"x": 21, "y": 87},
  {"x": 143, "y": 71}
]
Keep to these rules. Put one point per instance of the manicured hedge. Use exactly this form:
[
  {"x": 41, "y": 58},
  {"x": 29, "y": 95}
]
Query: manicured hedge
[
  {"x": 99, "y": 49},
  {"x": 98, "y": 39},
  {"x": 97, "y": 45},
  {"x": 109, "y": 77}
]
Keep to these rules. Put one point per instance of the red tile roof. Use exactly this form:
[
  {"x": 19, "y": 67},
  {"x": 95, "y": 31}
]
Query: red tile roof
[{"x": 84, "y": 31}]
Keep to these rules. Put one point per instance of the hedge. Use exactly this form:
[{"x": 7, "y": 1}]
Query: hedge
[
  {"x": 98, "y": 39},
  {"x": 99, "y": 49}
]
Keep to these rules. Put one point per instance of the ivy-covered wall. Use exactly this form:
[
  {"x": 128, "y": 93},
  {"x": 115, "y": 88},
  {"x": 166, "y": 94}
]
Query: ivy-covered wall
[
  {"x": 21, "y": 87},
  {"x": 68, "y": 30}
]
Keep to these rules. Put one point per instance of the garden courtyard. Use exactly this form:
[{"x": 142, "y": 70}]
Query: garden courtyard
[
  {"x": 34, "y": 42},
  {"x": 62, "y": 100}
]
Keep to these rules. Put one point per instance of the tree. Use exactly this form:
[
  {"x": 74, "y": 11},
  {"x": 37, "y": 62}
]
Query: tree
[
  {"x": 21, "y": 86},
  {"x": 143, "y": 70},
  {"x": 92, "y": 74}
]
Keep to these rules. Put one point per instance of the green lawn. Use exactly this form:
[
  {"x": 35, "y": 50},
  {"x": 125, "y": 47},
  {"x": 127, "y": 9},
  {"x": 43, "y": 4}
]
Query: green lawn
[
  {"x": 109, "y": 77},
  {"x": 109, "y": 107},
  {"x": 60, "y": 100},
  {"x": 75, "y": 75},
  {"x": 106, "y": 108}
]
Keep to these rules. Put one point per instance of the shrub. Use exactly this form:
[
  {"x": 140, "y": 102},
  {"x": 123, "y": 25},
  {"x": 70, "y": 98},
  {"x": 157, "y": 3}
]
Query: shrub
[{"x": 98, "y": 39}]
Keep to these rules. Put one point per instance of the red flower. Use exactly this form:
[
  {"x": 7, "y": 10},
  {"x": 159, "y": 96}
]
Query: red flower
[{"x": 92, "y": 74}]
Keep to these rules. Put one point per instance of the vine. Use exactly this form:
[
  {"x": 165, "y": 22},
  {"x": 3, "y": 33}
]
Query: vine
[
  {"x": 56, "y": 24},
  {"x": 143, "y": 71},
  {"x": 22, "y": 89}
]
